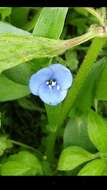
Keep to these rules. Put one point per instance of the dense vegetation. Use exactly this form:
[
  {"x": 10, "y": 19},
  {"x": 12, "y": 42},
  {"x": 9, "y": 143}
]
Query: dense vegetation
[{"x": 69, "y": 138}]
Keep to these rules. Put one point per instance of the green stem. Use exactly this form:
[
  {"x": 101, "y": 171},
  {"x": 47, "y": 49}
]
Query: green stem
[
  {"x": 64, "y": 108},
  {"x": 83, "y": 38},
  {"x": 94, "y": 13},
  {"x": 50, "y": 146},
  {"x": 103, "y": 13},
  {"x": 27, "y": 147},
  {"x": 56, "y": 112},
  {"x": 84, "y": 71}
]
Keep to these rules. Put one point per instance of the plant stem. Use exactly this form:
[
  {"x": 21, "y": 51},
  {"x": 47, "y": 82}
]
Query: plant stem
[
  {"x": 54, "y": 112},
  {"x": 65, "y": 107},
  {"x": 94, "y": 13},
  {"x": 50, "y": 146},
  {"x": 103, "y": 14},
  {"x": 84, "y": 71},
  {"x": 27, "y": 147},
  {"x": 80, "y": 39}
]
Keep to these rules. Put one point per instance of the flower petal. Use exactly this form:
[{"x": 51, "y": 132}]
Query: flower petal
[
  {"x": 62, "y": 75},
  {"x": 39, "y": 78},
  {"x": 51, "y": 96}
]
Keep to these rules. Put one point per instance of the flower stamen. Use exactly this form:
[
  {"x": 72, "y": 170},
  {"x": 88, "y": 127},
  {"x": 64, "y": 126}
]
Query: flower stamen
[{"x": 51, "y": 83}]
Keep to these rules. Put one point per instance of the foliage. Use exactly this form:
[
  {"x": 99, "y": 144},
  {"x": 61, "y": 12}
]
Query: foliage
[{"x": 69, "y": 138}]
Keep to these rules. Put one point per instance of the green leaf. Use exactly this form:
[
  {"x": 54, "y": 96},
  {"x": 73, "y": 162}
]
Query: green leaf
[
  {"x": 16, "y": 49},
  {"x": 93, "y": 168},
  {"x": 97, "y": 130},
  {"x": 20, "y": 164},
  {"x": 7, "y": 27},
  {"x": 72, "y": 157},
  {"x": 76, "y": 133},
  {"x": 5, "y": 12},
  {"x": 5, "y": 143},
  {"x": 20, "y": 74},
  {"x": 101, "y": 85},
  {"x": 83, "y": 102},
  {"x": 48, "y": 24},
  {"x": 10, "y": 90}
]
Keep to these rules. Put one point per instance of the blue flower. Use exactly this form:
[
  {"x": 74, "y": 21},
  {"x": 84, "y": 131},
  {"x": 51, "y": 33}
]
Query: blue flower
[{"x": 51, "y": 83}]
